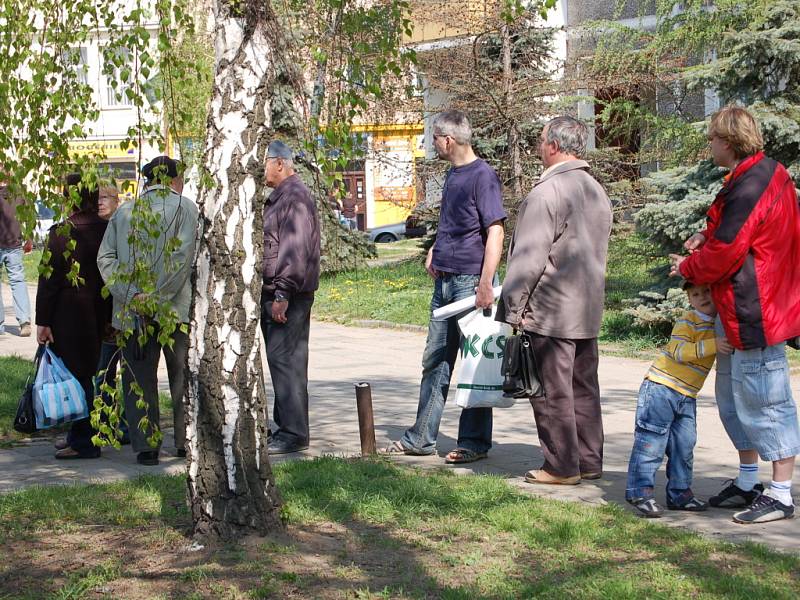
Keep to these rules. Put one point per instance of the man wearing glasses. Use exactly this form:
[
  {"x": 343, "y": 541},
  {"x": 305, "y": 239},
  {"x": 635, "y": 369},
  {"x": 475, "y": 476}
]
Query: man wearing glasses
[{"x": 462, "y": 262}]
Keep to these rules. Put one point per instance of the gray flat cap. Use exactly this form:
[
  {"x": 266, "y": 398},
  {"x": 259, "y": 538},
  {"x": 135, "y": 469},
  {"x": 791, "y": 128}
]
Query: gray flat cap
[{"x": 278, "y": 149}]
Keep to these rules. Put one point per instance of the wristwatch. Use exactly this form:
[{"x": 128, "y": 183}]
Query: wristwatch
[{"x": 281, "y": 297}]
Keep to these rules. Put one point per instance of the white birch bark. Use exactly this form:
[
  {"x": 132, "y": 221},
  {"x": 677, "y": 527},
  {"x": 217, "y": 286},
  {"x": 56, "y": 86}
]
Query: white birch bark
[{"x": 231, "y": 487}]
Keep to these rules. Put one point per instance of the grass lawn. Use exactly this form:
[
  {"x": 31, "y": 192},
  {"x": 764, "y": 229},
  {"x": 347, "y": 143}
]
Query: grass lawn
[
  {"x": 363, "y": 530},
  {"x": 401, "y": 249},
  {"x": 399, "y": 292},
  {"x": 14, "y": 372}
]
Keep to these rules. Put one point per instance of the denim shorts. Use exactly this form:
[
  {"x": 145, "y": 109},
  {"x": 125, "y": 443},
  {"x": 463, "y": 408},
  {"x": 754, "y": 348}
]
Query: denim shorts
[{"x": 762, "y": 396}]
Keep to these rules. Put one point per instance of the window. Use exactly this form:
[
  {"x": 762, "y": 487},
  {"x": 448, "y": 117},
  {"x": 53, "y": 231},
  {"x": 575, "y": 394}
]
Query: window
[
  {"x": 77, "y": 59},
  {"x": 119, "y": 75}
]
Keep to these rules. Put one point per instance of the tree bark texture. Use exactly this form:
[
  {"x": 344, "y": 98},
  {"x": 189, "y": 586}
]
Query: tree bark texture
[
  {"x": 231, "y": 487},
  {"x": 513, "y": 134}
]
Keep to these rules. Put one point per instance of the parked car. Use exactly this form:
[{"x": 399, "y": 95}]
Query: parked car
[{"x": 387, "y": 233}]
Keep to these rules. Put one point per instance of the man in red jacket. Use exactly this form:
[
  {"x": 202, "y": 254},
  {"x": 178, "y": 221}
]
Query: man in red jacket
[{"x": 750, "y": 255}]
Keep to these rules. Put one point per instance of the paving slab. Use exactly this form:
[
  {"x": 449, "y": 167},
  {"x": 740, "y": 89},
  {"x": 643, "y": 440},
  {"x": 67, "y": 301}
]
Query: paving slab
[{"x": 389, "y": 359}]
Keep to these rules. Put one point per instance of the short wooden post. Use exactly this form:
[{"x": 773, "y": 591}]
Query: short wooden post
[{"x": 366, "y": 423}]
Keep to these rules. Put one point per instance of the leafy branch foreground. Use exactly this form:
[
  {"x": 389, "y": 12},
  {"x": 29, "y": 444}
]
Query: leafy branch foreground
[{"x": 368, "y": 529}]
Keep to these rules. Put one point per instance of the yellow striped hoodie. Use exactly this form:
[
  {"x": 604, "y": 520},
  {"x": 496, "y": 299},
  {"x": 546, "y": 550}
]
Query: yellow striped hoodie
[{"x": 684, "y": 364}]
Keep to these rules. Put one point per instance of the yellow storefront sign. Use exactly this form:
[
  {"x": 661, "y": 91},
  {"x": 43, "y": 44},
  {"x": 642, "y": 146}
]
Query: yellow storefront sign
[{"x": 106, "y": 148}]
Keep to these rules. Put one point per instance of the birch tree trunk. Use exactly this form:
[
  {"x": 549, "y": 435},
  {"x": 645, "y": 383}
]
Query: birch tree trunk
[
  {"x": 513, "y": 132},
  {"x": 231, "y": 487}
]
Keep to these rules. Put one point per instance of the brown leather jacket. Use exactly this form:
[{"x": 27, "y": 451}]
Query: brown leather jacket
[{"x": 291, "y": 240}]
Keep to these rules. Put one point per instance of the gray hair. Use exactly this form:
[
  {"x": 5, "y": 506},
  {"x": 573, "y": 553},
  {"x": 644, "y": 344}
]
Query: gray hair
[
  {"x": 570, "y": 135},
  {"x": 455, "y": 124}
]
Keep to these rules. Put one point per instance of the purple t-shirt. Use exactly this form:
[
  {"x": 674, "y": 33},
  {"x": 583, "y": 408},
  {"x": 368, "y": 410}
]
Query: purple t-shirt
[{"x": 472, "y": 200}]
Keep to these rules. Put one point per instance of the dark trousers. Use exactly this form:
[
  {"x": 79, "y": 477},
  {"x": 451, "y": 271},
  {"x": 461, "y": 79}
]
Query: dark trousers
[
  {"x": 144, "y": 371},
  {"x": 81, "y": 431},
  {"x": 287, "y": 357},
  {"x": 568, "y": 417}
]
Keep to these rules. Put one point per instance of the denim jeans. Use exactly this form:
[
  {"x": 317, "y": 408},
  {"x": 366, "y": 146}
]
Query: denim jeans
[
  {"x": 665, "y": 423},
  {"x": 762, "y": 395},
  {"x": 438, "y": 360},
  {"x": 723, "y": 392},
  {"x": 12, "y": 259}
]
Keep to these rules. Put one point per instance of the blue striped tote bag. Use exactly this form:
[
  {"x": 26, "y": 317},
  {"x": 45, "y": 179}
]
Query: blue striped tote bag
[{"x": 58, "y": 397}]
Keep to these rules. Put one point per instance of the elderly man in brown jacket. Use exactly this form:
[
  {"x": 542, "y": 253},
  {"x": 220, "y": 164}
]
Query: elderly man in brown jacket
[
  {"x": 554, "y": 290},
  {"x": 291, "y": 276}
]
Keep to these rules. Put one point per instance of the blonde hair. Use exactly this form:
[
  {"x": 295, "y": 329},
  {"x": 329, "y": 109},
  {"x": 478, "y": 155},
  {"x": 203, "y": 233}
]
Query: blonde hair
[{"x": 737, "y": 126}]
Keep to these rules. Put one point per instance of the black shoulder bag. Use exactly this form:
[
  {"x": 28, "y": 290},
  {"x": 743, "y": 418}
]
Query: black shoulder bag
[
  {"x": 521, "y": 377},
  {"x": 25, "y": 419}
]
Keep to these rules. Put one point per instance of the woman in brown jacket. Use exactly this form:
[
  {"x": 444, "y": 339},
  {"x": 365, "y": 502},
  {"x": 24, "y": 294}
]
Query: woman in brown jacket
[{"x": 72, "y": 318}]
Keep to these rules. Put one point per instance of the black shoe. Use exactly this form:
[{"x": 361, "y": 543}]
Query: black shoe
[
  {"x": 732, "y": 496},
  {"x": 180, "y": 452},
  {"x": 763, "y": 510},
  {"x": 648, "y": 507},
  {"x": 691, "y": 505},
  {"x": 279, "y": 446},
  {"x": 147, "y": 458}
]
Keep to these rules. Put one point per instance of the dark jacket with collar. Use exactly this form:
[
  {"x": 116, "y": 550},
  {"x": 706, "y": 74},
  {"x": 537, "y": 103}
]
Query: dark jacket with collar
[
  {"x": 555, "y": 281},
  {"x": 291, "y": 240},
  {"x": 10, "y": 235},
  {"x": 77, "y": 315}
]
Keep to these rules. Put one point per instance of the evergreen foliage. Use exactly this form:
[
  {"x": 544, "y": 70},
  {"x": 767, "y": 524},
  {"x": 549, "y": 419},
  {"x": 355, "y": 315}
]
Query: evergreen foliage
[{"x": 750, "y": 54}]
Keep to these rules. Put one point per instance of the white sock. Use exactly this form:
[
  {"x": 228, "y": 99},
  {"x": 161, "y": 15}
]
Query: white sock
[
  {"x": 748, "y": 477},
  {"x": 781, "y": 491}
]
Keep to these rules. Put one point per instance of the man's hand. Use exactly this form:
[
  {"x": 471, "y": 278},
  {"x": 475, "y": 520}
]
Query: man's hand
[
  {"x": 44, "y": 334},
  {"x": 279, "y": 308},
  {"x": 723, "y": 346},
  {"x": 676, "y": 260},
  {"x": 431, "y": 271},
  {"x": 484, "y": 296},
  {"x": 27, "y": 246},
  {"x": 695, "y": 242}
]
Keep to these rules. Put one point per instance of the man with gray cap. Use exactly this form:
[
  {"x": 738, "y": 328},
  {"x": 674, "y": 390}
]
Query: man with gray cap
[
  {"x": 554, "y": 289},
  {"x": 171, "y": 256},
  {"x": 291, "y": 276}
]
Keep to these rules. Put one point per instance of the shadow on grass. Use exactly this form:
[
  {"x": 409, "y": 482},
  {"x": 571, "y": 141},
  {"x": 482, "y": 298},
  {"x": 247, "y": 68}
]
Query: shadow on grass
[{"x": 365, "y": 529}]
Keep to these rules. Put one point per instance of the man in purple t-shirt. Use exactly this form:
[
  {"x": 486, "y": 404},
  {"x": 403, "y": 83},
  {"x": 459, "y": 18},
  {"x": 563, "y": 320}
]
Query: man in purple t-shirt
[{"x": 462, "y": 262}]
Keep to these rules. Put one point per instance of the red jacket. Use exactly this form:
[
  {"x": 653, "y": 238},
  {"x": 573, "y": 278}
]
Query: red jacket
[{"x": 751, "y": 257}]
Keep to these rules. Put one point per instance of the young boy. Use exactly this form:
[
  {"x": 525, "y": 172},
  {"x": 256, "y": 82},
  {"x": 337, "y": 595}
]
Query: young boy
[{"x": 666, "y": 410}]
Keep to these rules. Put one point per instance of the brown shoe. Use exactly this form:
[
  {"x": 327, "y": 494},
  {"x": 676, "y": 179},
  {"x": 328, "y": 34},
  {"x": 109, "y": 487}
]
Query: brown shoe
[
  {"x": 25, "y": 330},
  {"x": 542, "y": 476},
  {"x": 592, "y": 475}
]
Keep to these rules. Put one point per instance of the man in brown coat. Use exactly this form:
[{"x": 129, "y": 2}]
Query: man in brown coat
[
  {"x": 554, "y": 290},
  {"x": 291, "y": 276}
]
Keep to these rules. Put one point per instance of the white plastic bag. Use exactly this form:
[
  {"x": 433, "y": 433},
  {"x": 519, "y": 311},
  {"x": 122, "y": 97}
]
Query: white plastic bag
[{"x": 480, "y": 381}]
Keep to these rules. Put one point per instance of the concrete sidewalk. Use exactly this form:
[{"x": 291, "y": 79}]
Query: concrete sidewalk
[{"x": 390, "y": 361}]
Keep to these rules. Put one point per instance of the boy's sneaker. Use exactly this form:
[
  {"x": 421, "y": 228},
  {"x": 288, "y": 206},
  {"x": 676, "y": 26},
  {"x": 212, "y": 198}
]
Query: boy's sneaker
[
  {"x": 763, "y": 510},
  {"x": 648, "y": 507},
  {"x": 732, "y": 496},
  {"x": 691, "y": 505}
]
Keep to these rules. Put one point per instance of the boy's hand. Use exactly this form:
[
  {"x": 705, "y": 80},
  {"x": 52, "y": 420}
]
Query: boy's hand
[
  {"x": 723, "y": 346},
  {"x": 695, "y": 242}
]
